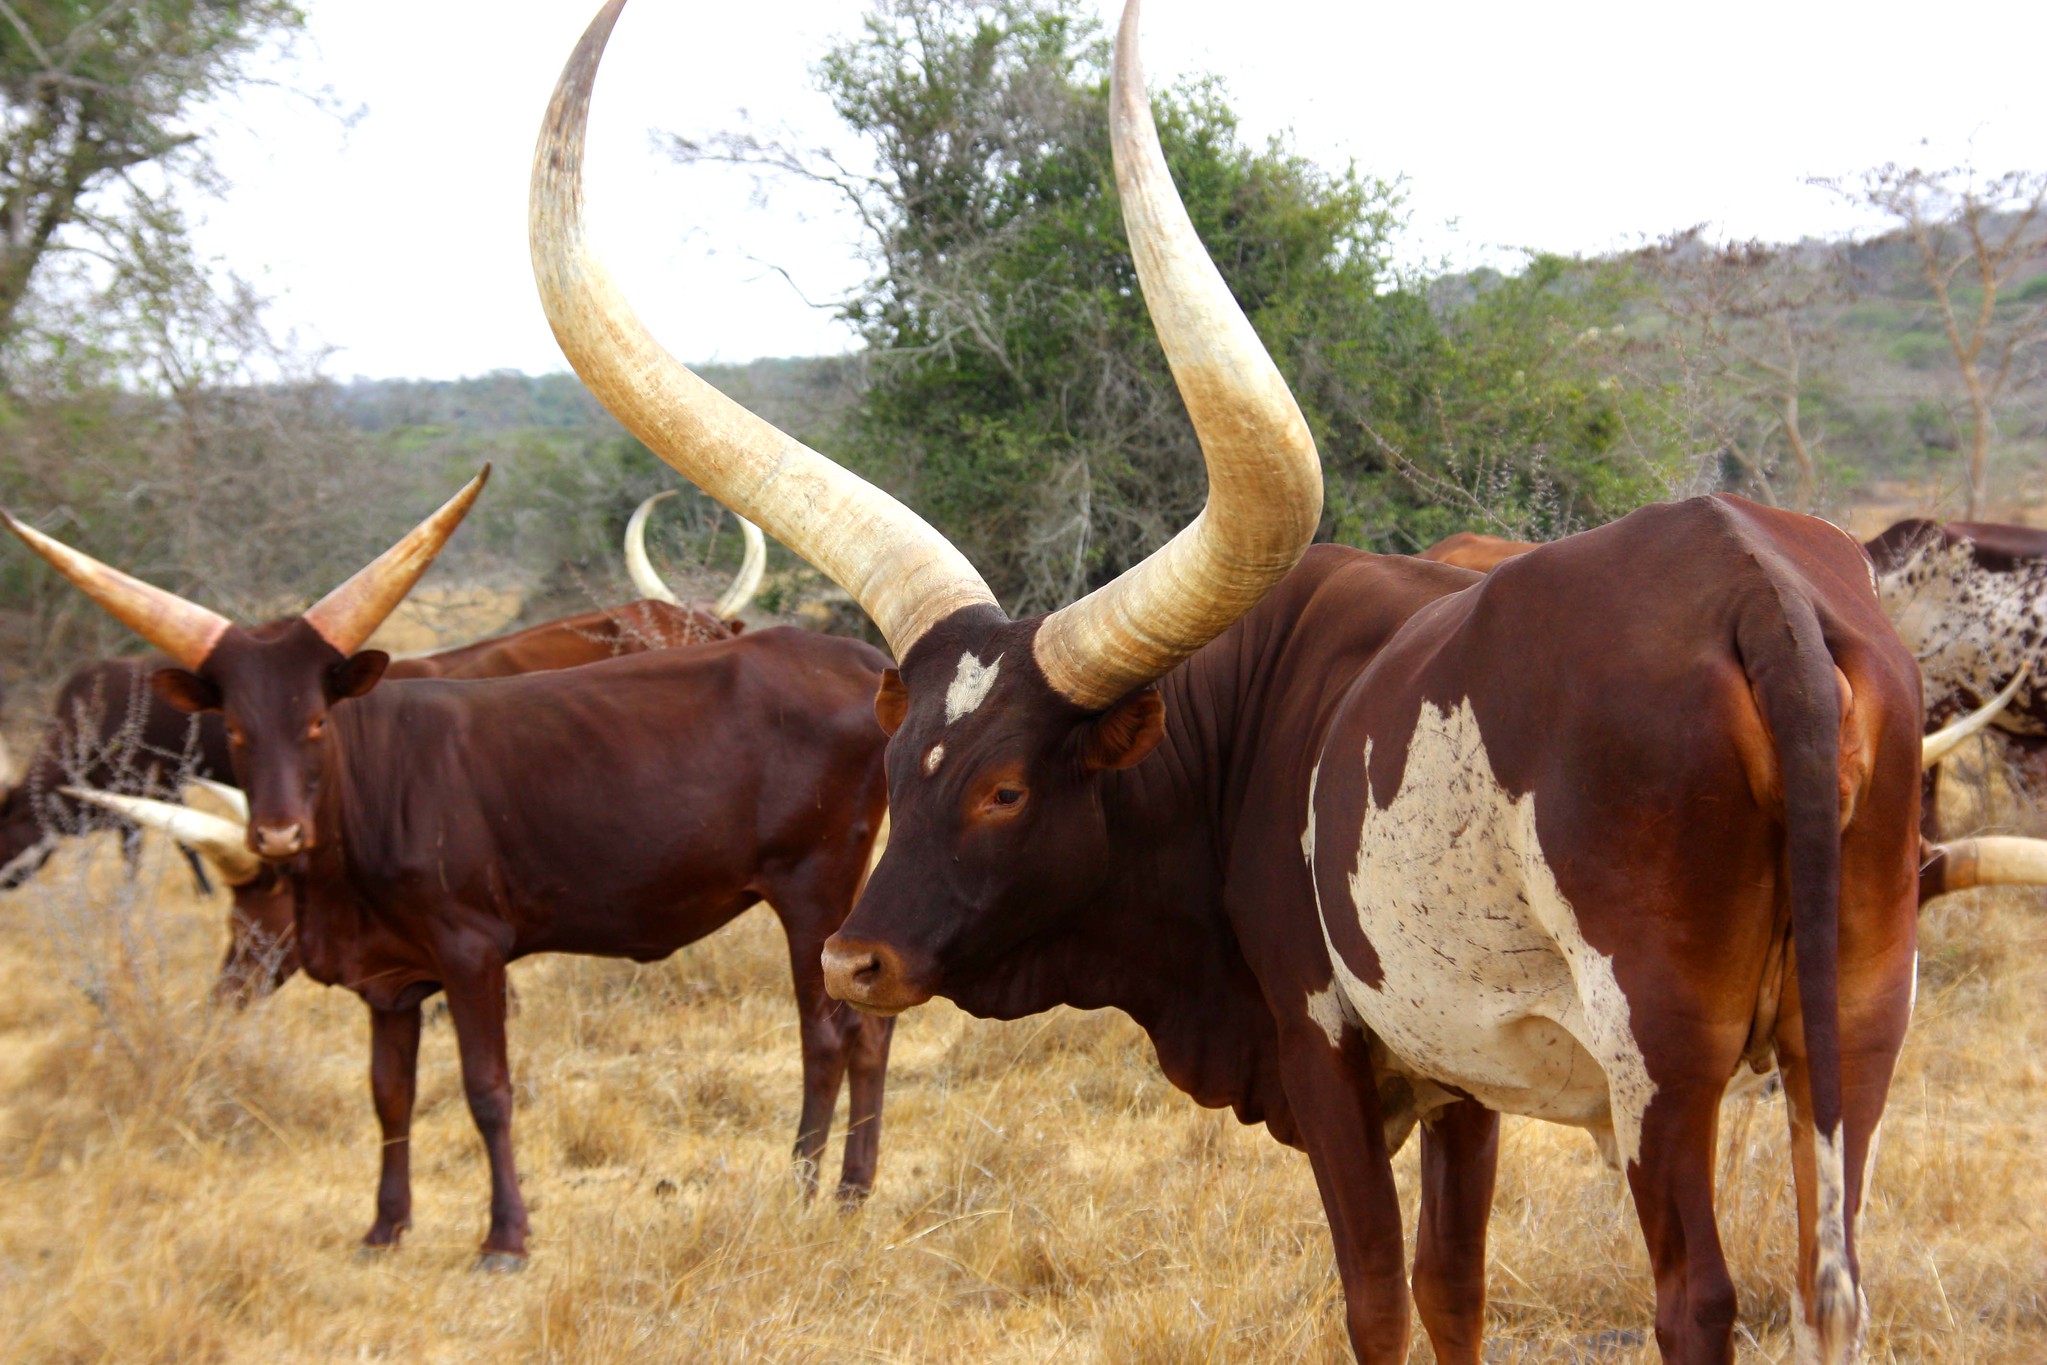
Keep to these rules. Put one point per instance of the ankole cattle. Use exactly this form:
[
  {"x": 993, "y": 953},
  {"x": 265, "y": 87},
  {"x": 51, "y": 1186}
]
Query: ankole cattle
[
  {"x": 110, "y": 732},
  {"x": 1969, "y": 599},
  {"x": 1370, "y": 843},
  {"x": 433, "y": 831}
]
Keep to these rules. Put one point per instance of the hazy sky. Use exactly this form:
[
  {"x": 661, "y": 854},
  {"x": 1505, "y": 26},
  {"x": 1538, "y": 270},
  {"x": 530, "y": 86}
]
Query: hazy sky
[{"x": 400, "y": 240}]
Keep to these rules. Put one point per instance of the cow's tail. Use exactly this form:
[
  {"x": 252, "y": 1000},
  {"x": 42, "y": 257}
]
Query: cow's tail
[{"x": 1804, "y": 698}]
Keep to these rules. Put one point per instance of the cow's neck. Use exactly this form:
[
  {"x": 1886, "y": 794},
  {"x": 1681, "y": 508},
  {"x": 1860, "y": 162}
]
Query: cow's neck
[{"x": 1157, "y": 942}]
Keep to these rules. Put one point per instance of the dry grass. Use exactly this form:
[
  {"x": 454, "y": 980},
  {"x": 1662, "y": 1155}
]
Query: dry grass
[{"x": 180, "y": 1186}]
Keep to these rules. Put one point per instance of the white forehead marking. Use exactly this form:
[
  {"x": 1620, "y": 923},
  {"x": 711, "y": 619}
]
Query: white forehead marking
[
  {"x": 970, "y": 686},
  {"x": 1490, "y": 985},
  {"x": 933, "y": 759}
]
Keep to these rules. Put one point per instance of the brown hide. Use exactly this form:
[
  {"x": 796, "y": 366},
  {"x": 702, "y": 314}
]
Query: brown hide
[
  {"x": 621, "y": 809},
  {"x": 1686, "y": 697},
  {"x": 1473, "y": 550},
  {"x": 109, "y": 731}
]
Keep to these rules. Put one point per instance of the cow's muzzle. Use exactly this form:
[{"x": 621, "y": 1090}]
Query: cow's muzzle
[
  {"x": 871, "y": 977},
  {"x": 278, "y": 840}
]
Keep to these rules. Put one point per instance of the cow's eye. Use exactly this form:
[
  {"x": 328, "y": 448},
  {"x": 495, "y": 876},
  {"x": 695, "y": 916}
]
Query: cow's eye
[
  {"x": 317, "y": 728},
  {"x": 1008, "y": 796},
  {"x": 235, "y": 735}
]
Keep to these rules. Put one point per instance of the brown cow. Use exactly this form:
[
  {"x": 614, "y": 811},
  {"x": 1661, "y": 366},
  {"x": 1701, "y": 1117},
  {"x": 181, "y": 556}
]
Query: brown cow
[
  {"x": 1364, "y": 842},
  {"x": 435, "y": 830},
  {"x": 1969, "y": 599},
  {"x": 111, "y": 733}
]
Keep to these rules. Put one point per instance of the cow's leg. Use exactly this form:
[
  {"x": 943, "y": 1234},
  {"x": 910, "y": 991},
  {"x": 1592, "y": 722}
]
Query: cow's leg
[
  {"x": 394, "y": 1076},
  {"x": 867, "y": 1072},
  {"x": 476, "y": 1004},
  {"x": 1673, "y": 1186},
  {"x": 1460, "y": 1156},
  {"x": 1831, "y": 1170},
  {"x": 1336, "y": 1107},
  {"x": 827, "y": 1031}
]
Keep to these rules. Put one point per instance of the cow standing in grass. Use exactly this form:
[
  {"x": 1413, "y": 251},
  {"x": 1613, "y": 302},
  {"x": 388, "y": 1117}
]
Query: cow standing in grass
[
  {"x": 1367, "y": 843},
  {"x": 110, "y": 732},
  {"x": 433, "y": 831}
]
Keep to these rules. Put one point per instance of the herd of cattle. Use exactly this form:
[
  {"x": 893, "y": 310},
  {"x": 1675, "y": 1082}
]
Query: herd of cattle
[{"x": 1369, "y": 845}]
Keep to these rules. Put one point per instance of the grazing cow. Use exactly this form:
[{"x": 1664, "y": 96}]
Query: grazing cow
[
  {"x": 111, "y": 733},
  {"x": 435, "y": 830},
  {"x": 1368, "y": 842},
  {"x": 1970, "y": 601}
]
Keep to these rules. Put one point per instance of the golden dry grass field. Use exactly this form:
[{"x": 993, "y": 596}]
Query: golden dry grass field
[{"x": 184, "y": 1185}]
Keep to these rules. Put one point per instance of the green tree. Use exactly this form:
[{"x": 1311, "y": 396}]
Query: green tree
[
  {"x": 1018, "y": 396},
  {"x": 95, "y": 103}
]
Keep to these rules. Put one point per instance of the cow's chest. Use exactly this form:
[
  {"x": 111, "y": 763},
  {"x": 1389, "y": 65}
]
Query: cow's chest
[{"x": 1484, "y": 981}]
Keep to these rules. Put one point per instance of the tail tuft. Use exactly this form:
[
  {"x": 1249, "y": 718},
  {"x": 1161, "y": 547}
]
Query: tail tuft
[{"x": 1837, "y": 1302}]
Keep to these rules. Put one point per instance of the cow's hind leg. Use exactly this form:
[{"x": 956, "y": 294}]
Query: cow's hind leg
[
  {"x": 394, "y": 1076},
  {"x": 1460, "y": 1157},
  {"x": 1673, "y": 1188},
  {"x": 476, "y": 1004},
  {"x": 1830, "y": 1170}
]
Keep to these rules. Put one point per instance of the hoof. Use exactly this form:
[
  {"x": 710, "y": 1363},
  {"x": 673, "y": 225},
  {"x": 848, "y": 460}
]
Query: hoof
[
  {"x": 370, "y": 1253},
  {"x": 853, "y": 1197},
  {"x": 499, "y": 1263}
]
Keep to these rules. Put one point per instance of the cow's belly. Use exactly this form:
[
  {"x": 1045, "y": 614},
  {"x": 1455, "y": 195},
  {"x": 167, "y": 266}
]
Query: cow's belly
[{"x": 1487, "y": 984}]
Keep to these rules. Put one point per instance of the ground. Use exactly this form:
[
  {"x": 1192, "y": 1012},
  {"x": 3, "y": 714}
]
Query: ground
[{"x": 179, "y": 1184}]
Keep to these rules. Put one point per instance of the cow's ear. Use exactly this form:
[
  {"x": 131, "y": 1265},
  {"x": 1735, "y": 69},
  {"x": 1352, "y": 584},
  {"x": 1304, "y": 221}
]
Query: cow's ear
[
  {"x": 1126, "y": 732},
  {"x": 356, "y": 674},
  {"x": 185, "y": 691},
  {"x": 892, "y": 702}
]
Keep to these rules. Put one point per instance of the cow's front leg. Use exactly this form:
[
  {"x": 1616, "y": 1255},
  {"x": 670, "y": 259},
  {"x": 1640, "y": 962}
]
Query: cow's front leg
[
  {"x": 1336, "y": 1106},
  {"x": 394, "y": 1077},
  {"x": 476, "y": 1004},
  {"x": 1460, "y": 1157},
  {"x": 824, "y": 1030},
  {"x": 867, "y": 1043}
]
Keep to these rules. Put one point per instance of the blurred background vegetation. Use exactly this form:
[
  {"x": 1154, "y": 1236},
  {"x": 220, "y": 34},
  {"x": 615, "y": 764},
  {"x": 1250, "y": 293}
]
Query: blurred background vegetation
[{"x": 1006, "y": 382}]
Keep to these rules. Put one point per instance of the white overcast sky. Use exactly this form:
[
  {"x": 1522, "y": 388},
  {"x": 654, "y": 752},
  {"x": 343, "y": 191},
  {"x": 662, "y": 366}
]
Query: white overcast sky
[{"x": 1575, "y": 126}]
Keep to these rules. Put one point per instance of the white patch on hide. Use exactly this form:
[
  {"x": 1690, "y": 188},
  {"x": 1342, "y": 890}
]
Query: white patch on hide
[
  {"x": 970, "y": 686},
  {"x": 1489, "y": 986},
  {"x": 1971, "y": 629},
  {"x": 1325, "y": 1007},
  {"x": 933, "y": 759}
]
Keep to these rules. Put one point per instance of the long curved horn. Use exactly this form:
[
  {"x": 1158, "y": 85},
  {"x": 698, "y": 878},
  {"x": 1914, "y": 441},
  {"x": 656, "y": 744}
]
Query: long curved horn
[
  {"x": 348, "y": 615},
  {"x": 1989, "y": 860},
  {"x": 184, "y": 630},
  {"x": 903, "y": 573},
  {"x": 232, "y": 799},
  {"x": 753, "y": 566},
  {"x": 1942, "y": 742},
  {"x": 1264, "y": 477},
  {"x": 223, "y": 842},
  {"x": 638, "y": 567}
]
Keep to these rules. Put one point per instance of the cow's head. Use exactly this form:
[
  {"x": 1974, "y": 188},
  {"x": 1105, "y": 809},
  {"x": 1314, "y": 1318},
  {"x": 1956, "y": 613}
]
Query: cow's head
[
  {"x": 1002, "y": 731},
  {"x": 276, "y": 684}
]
